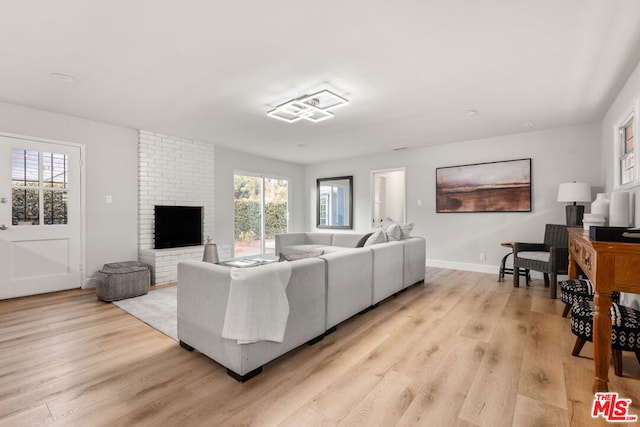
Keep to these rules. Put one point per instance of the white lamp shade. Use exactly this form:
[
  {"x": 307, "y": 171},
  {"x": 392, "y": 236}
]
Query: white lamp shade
[{"x": 574, "y": 192}]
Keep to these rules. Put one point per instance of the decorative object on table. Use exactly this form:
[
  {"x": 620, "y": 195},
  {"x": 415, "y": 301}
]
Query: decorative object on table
[
  {"x": 619, "y": 209},
  {"x": 550, "y": 257},
  {"x": 600, "y": 205},
  {"x": 614, "y": 234},
  {"x": 625, "y": 330},
  {"x": 574, "y": 192},
  {"x": 594, "y": 220},
  {"x": 599, "y": 215},
  {"x": 210, "y": 252},
  {"x": 484, "y": 187}
]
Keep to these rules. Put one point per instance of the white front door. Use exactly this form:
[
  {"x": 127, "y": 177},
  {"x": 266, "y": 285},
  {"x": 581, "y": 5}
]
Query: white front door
[{"x": 40, "y": 217}]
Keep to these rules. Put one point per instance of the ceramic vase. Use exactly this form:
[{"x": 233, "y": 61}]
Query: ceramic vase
[
  {"x": 600, "y": 206},
  {"x": 619, "y": 209}
]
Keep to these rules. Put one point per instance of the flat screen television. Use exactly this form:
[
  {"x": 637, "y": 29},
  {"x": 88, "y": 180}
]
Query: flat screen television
[{"x": 177, "y": 226}]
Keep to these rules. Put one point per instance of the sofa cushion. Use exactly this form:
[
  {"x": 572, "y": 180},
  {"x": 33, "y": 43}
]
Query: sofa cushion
[
  {"x": 322, "y": 239},
  {"x": 300, "y": 248},
  {"x": 535, "y": 256},
  {"x": 295, "y": 256},
  {"x": 378, "y": 236}
]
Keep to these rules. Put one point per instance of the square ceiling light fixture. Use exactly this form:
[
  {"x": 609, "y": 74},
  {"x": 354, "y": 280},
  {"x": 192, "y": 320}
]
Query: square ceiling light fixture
[{"x": 314, "y": 108}]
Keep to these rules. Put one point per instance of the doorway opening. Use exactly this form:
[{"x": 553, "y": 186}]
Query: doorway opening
[{"x": 388, "y": 195}]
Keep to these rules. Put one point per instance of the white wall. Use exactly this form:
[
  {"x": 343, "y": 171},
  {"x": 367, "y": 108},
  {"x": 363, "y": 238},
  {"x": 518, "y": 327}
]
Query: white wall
[
  {"x": 457, "y": 239},
  {"x": 110, "y": 169},
  {"x": 227, "y": 162},
  {"x": 623, "y": 103}
]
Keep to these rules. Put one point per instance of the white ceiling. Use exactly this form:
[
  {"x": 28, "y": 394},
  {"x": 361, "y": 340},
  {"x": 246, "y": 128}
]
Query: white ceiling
[{"x": 210, "y": 70}]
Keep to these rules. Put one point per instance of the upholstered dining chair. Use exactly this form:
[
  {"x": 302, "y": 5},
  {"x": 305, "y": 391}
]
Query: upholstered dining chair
[{"x": 550, "y": 257}]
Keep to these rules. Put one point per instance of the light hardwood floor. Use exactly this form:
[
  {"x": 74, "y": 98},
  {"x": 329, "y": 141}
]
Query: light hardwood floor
[{"x": 459, "y": 350}]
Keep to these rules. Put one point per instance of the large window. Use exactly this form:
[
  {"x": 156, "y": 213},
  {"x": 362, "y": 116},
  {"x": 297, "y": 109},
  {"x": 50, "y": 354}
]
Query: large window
[
  {"x": 260, "y": 212},
  {"x": 627, "y": 151}
]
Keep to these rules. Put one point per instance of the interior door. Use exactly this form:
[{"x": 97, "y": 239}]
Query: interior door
[{"x": 40, "y": 217}]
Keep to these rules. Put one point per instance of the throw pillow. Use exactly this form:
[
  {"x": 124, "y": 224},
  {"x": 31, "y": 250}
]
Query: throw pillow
[
  {"x": 405, "y": 230},
  {"x": 299, "y": 255},
  {"x": 393, "y": 232},
  {"x": 377, "y": 237},
  {"x": 362, "y": 241}
]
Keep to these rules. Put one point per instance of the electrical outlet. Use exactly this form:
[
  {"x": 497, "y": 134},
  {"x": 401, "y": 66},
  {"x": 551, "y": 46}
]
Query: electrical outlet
[{"x": 483, "y": 256}]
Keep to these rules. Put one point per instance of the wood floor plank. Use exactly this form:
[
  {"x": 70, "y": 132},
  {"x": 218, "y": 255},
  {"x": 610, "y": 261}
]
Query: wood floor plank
[
  {"x": 542, "y": 375},
  {"x": 440, "y": 394},
  {"x": 491, "y": 397},
  {"x": 307, "y": 417},
  {"x": 535, "y": 413},
  {"x": 419, "y": 358},
  {"x": 385, "y": 404}
]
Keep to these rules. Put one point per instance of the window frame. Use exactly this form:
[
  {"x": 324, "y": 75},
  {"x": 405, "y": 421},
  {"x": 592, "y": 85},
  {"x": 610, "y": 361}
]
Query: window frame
[
  {"x": 47, "y": 187},
  {"x": 630, "y": 117}
]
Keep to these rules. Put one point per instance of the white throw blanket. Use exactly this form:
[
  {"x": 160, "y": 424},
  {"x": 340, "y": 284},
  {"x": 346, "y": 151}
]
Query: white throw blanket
[{"x": 257, "y": 307}]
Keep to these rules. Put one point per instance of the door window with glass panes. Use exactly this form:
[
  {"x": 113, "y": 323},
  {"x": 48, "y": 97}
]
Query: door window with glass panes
[{"x": 39, "y": 182}]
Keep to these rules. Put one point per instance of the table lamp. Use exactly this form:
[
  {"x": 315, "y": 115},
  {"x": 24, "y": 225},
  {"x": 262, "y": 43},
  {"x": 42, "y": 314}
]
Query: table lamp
[{"x": 573, "y": 192}]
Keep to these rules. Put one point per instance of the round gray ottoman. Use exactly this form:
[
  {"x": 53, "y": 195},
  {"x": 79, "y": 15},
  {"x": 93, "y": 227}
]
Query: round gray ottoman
[{"x": 117, "y": 281}]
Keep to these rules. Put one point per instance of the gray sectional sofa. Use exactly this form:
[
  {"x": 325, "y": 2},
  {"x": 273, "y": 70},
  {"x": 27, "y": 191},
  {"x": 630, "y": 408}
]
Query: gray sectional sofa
[{"x": 322, "y": 292}]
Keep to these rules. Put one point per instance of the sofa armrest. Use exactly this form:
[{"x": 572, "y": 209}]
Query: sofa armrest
[
  {"x": 388, "y": 270},
  {"x": 203, "y": 290},
  {"x": 415, "y": 254},
  {"x": 349, "y": 283}
]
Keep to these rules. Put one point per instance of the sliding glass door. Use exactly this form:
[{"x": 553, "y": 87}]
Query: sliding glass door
[{"x": 260, "y": 212}]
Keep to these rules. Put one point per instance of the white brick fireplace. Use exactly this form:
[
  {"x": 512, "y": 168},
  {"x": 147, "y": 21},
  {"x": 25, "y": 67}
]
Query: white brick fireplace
[{"x": 177, "y": 172}]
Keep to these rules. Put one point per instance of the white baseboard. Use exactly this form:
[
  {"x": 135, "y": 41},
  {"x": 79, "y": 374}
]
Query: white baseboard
[
  {"x": 454, "y": 265},
  {"x": 90, "y": 282},
  {"x": 480, "y": 268}
]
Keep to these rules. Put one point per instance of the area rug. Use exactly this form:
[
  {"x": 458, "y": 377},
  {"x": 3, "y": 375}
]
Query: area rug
[{"x": 157, "y": 309}]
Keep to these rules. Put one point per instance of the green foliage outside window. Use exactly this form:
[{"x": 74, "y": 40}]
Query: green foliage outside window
[
  {"x": 247, "y": 219},
  {"x": 247, "y": 195}
]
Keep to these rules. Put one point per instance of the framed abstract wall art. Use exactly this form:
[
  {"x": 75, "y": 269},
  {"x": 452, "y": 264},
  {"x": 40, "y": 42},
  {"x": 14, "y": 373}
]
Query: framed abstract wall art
[{"x": 503, "y": 186}]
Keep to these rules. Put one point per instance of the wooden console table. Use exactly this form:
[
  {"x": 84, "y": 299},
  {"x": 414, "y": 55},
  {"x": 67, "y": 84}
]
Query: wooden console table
[{"x": 610, "y": 266}]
